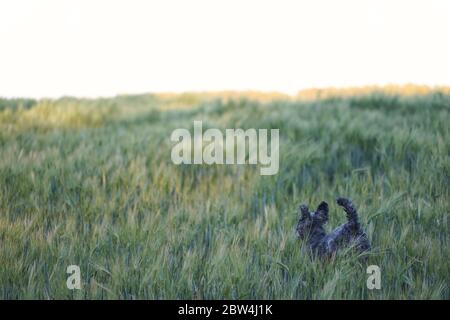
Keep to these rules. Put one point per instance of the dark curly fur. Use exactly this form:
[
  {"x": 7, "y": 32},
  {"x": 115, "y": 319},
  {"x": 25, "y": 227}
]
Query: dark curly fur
[{"x": 310, "y": 227}]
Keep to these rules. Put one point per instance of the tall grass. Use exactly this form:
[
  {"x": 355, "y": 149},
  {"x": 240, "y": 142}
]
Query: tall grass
[{"x": 91, "y": 183}]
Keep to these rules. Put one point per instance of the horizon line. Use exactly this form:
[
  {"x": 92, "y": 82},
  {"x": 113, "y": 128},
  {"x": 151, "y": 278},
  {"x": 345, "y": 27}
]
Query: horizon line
[{"x": 392, "y": 88}]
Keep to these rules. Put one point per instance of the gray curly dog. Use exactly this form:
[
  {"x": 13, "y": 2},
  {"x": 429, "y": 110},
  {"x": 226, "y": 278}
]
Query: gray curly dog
[{"x": 310, "y": 228}]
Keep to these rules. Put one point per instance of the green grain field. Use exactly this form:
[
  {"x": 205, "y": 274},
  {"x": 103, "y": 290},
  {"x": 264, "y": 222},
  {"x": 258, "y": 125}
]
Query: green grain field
[{"x": 90, "y": 182}]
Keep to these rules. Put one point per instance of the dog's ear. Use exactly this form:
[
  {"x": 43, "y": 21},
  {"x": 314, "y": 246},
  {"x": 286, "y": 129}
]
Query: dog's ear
[
  {"x": 304, "y": 212},
  {"x": 321, "y": 214}
]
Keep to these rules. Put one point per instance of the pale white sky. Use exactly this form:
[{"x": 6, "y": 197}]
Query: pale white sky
[{"x": 50, "y": 48}]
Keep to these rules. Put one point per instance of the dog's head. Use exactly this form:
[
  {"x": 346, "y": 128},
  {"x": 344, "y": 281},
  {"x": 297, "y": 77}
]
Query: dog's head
[{"x": 311, "y": 220}]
